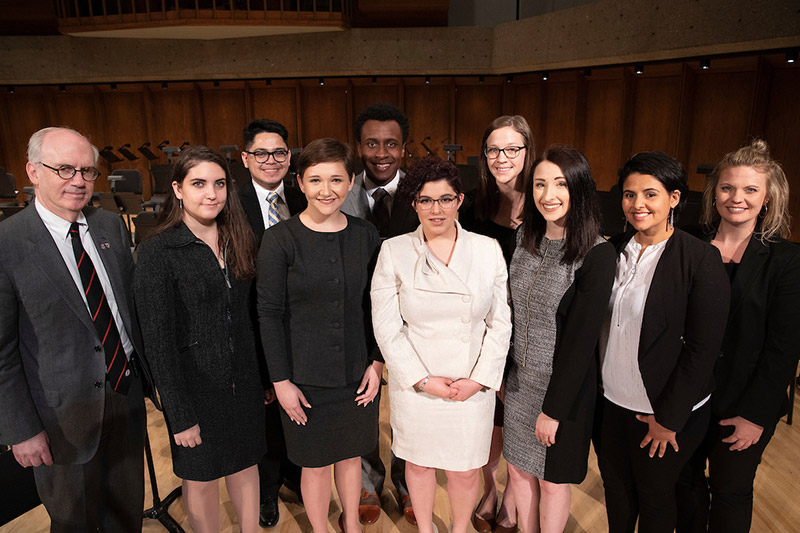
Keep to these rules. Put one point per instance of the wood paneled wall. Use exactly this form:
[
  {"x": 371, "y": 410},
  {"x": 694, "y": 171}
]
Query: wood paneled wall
[{"x": 609, "y": 113}]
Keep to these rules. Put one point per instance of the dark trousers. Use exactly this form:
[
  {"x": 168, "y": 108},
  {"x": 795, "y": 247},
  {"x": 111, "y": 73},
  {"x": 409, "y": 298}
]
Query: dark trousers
[
  {"x": 275, "y": 467},
  {"x": 373, "y": 473},
  {"x": 107, "y": 493},
  {"x": 637, "y": 485},
  {"x": 724, "y": 501}
]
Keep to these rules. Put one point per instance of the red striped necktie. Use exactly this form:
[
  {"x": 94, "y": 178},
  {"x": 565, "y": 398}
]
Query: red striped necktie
[{"x": 118, "y": 372}]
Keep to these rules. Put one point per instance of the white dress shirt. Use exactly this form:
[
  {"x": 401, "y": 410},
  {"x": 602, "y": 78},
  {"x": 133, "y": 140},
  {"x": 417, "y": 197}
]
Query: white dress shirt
[
  {"x": 281, "y": 206},
  {"x": 619, "y": 340},
  {"x": 59, "y": 230},
  {"x": 391, "y": 188}
]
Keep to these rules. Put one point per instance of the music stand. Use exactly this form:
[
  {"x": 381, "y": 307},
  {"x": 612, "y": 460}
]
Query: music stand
[
  {"x": 109, "y": 156},
  {"x": 146, "y": 152},
  {"x": 130, "y": 156},
  {"x": 451, "y": 149},
  {"x": 160, "y": 509}
]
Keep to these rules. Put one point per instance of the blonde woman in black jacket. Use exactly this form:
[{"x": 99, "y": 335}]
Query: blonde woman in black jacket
[{"x": 745, "y": 207}]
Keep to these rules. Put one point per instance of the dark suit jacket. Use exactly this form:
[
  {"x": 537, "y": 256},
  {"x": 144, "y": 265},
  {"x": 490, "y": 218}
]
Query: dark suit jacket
[
  {"x": 50, "y": 354},
  {"x": 682, "y": 327},
  {"x": 762, "y": 340},
  {"x": 403, "y": 218},
  {"x": 295, "y": 200}
]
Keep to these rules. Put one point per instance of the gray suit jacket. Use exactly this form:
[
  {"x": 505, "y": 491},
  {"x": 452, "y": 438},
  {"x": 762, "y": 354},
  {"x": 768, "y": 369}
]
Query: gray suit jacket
[
  {"x": 403, "y": 219},
  {"x": 52, "y": 364}
]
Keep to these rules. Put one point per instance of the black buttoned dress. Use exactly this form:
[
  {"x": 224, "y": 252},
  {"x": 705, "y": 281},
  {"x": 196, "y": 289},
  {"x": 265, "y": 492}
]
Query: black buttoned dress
[{"x": 313, "y": 313}]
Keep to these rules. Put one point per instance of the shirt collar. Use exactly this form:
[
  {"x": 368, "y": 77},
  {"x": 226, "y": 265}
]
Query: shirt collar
[
  {"x": 54, "y": 223},
  {"x": 261, "y": 192},
  {"x": 390, "y": 187}
]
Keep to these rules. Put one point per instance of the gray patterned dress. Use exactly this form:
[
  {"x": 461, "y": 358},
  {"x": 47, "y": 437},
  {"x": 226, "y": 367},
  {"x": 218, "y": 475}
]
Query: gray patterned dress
[{"x": 538, "y": 284}]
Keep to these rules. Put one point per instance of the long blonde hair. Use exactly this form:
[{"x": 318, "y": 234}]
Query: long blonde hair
[{"x": 776, "y": 220}]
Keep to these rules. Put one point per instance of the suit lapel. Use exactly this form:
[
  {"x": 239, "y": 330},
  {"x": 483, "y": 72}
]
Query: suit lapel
[
  {"x": 430, "y": 274},
  {"x": 252, "y": 209},
  {"x": 49, "y": 260},
  {"x": 753, "y": 260}
]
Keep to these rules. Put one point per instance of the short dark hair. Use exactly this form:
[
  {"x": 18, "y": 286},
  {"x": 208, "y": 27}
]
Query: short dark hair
[
  {"x": 426, "y": 170},
  {"x": 263, "y": 125},
  {"x": 326, "y": 151},
  {"x": 583, "y": 217},
  {"x": 382, "y": 113},
  {"x": 667, "y": 170}
]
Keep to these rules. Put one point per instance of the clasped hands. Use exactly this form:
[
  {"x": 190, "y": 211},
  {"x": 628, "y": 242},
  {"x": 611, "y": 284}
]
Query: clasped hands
[{"x": 458, "y": 390}]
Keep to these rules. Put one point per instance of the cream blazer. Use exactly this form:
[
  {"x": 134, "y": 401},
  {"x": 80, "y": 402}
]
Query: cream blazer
[{"x": 435, "y": 320}]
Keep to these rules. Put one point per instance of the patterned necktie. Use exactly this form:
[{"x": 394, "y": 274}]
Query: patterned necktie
[
  {"x": 117, "y": 371},
  {"x": 272, "y": 212},
  {"x": 380, "y": 211}
]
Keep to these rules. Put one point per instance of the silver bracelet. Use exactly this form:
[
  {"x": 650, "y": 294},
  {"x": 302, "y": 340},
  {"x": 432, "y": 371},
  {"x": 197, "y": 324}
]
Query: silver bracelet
[{"x": 424, "y": 382}]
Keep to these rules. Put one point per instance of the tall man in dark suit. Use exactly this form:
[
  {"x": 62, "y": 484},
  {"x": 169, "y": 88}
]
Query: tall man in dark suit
[
  {"x": 381, "y": 133},
  {"x": 267, "y": 200},
  {"x": 71, "y": 396}
]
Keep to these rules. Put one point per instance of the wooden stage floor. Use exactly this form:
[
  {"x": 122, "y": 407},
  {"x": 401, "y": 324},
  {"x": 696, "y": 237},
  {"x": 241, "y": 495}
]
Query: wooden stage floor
[{"x": 777, "y": 492}]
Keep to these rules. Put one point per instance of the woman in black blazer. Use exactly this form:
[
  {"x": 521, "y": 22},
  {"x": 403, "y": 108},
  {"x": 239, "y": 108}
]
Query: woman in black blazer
[
  {"x": 662, "y": 336},
  {"x": 745, "y": 205}
]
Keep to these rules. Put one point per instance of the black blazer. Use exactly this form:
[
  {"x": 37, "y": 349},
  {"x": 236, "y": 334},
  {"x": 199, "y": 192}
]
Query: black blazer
[
  {"x": 579, "y": 319},
  {"x": 682, "y": 327},
  {"x": 762, "y": 340},
  {"x": 295, "y": 200}
]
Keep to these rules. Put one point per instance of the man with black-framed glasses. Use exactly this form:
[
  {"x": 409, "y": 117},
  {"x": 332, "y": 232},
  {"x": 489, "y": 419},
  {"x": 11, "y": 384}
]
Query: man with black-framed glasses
[{"x": 267, "y": 200}]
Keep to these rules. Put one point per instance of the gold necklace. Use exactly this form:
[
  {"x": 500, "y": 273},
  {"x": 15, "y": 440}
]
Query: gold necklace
[{"x": 528, "y": 302}]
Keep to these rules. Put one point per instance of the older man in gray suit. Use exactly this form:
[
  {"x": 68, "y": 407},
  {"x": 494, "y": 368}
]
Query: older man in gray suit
[{"x": 71, "y": 401}]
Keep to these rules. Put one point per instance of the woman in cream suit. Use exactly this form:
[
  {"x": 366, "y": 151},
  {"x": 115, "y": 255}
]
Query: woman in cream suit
[{"x": 442, "y": 322}]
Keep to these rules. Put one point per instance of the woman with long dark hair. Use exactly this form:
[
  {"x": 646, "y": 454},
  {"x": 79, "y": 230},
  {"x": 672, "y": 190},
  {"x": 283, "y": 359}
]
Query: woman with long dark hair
[
  {"x": 661, "y": 338},
  {"x": 192, "y": 289},
  {"x": 746, "y": 215},
  {"x": 561, "y": 278},
  {"x": 494, "y": 209}
]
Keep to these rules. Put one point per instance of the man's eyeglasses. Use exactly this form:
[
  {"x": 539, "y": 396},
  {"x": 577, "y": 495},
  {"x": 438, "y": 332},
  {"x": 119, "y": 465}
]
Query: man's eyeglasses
[
  {"x": 66, "y": 172},
  {"x": 262, "y": 156},
  {"x": 425, "y": 203},
  {"x": 510, "y": 152}
]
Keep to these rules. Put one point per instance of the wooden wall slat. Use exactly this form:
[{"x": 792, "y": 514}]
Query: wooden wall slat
[
  {"x": 275, "y": 103},
  {"x": 324, "y": 111},
  {"x": 428, "y": 110},
  {"x": 224, "y": 115},
  {"x": 656, "y": 111},
  {"x": 476, "y": 106},
  {"x": 722, "y": 107},
  {"x": 604, "y": 114}
]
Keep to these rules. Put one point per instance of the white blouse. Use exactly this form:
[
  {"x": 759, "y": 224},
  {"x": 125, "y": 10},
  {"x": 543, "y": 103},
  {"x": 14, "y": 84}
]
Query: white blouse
[{"x": 619, "y": 339}]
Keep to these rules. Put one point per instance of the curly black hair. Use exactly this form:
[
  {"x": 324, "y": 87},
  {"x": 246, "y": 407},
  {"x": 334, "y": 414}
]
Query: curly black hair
[{"x": 381, "y": 113}]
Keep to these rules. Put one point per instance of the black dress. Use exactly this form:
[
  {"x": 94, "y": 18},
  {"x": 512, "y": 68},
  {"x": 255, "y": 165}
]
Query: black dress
[
  {"x": 313, "y": 306},
  {"x": 200, "y": 341}
]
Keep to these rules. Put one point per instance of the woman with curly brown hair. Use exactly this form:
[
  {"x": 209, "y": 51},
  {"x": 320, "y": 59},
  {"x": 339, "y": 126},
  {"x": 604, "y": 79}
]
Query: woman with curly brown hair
[{"x": 442, "y": 322}]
